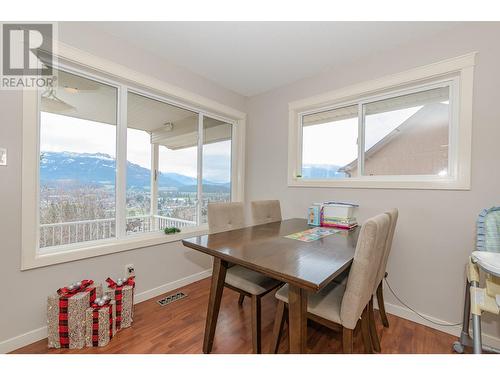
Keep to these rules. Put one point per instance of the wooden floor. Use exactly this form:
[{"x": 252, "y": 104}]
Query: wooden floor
[{"x": 178, "y": 328}]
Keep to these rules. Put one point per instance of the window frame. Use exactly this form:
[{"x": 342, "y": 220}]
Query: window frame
[
  {"x": 456, "y": 73},
  {"x": 78, "y": 62}
]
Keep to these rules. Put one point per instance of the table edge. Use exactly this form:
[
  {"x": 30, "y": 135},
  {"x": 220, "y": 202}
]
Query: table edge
[{"x": 275, "y": 275}]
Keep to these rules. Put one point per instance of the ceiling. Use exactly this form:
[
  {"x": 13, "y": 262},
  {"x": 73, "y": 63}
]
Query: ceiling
[
  {"x": 250, "y": 58},
  {"x": 168, "y": 125}
]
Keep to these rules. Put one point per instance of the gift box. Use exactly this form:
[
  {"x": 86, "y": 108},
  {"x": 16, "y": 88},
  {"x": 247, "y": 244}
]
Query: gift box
[
  {"x": 100, "y": 323},
  {"x": 122, "y": 291},
  {"x": 66, "y": 314}
]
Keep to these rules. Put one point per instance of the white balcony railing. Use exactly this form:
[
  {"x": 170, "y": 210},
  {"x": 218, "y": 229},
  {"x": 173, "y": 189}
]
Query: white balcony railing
[{"x": 57, "y": 234}]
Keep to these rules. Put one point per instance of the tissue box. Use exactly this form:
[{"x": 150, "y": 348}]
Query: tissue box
[{"x": 66, "y": 315}]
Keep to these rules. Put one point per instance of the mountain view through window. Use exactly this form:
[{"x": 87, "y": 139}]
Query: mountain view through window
[{"x": 78, "y": 132}]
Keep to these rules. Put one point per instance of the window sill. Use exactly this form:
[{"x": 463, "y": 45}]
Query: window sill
[
  {"x": 68, "y": 253},
  {"x": 385, "y": 182}
]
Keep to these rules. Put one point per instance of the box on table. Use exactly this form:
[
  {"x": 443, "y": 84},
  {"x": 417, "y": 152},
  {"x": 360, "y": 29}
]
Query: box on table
[
  {"x": 339, "y": 215},
  {"x": 124, "y": 297},
  {"x": 339, "y": 210},
  {"x": 314, "y": 215},
  {"x": 66, "y": 315},
  {"x": 100, "y": 324}
]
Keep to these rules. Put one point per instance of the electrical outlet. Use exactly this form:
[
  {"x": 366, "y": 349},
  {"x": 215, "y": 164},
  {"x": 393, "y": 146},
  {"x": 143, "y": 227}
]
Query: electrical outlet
[
  {"x": 3, "y": 156},
  {"x": 129, "y": 270}
]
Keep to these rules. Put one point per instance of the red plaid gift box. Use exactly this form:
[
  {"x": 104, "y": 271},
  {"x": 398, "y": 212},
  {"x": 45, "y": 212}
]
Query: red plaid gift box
[
  {"x": 100, "y": 324},
  {"x": 66, "y": 314},
  {"x": 124, "y": 297}
]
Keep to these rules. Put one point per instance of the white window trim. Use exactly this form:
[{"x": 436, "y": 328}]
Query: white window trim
[
  {"x": 459, "y": 70},
  {"x": 31, "y": 257}
]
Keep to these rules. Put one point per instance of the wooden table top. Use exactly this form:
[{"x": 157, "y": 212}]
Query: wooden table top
[{"x": 263, "y": 248}]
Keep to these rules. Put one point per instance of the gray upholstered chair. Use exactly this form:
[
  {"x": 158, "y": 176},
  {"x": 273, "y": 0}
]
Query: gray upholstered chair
[
  {"x": 381, "y": 274},
  {"x": 225, "y": 217},
  {"x": 267, "y": 211},
  {"x": 393, "y": 214},
  {"x": 345, "y": 305}
]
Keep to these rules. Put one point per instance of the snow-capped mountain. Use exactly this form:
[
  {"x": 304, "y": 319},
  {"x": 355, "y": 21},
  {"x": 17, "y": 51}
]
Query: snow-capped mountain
[{"x": 99, "y": 169}]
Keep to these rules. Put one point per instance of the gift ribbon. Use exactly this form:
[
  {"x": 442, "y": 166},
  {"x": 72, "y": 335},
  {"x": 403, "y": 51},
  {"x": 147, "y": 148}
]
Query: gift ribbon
[
  {"x": 95, "y": 321},
  {"x": 67, "y": 292},
  {"x": 119, "y": 296},
  {"x": 64, "y": 294}
]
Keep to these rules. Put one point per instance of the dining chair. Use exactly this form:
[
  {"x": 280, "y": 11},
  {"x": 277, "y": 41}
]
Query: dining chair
[
  {"x": 381, "y": 274},
  {"x": 225, "y": 217},
  {"x": 266, "y": 211},
  {"x": 344, "y": 307},
  {"x": 393, "y": 214}
]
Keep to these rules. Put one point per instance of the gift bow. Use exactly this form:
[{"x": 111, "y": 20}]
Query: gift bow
[
  {"x": 113, "y": 285},
  {"x": 97, "y": 306},
  {"x": 66, "y": 292}
]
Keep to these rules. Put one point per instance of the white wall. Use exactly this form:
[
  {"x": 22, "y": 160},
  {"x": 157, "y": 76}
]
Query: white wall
[
  {"x": 23, "y": 303},
  {"x": 435, "y": 232}
]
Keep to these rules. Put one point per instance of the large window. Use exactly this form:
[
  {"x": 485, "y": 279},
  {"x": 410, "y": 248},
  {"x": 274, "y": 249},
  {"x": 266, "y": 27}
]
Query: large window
[
  {"x": 77, "y": 168},
  {"x": 161, "y": 158},
  {"x": 411, "y": 135},
  {"x": 405, "y": 134},
  {"x": 99, "y": 183}
]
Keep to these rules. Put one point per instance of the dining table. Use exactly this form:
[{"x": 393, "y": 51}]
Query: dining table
[{"x": 306, "y": 265}]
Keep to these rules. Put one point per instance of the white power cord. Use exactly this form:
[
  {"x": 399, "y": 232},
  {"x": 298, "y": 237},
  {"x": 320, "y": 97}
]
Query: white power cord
[{"x": 416, "y": 312}]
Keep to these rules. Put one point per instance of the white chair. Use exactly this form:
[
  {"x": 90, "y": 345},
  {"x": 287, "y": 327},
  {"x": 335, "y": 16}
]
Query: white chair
[
  {"x": 229, "y": 216},
  {"x": 485, "y": 260},
  {"x": 343, "y": 306}
]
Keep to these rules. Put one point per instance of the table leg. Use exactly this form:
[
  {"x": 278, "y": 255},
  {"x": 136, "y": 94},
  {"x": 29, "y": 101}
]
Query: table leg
[
  {"x": 297, "y": 315},
  {"x": 216, "y": 289}
]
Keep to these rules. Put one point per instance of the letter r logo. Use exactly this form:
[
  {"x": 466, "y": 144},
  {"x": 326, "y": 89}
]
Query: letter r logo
[{"x": 22, "y": 45}]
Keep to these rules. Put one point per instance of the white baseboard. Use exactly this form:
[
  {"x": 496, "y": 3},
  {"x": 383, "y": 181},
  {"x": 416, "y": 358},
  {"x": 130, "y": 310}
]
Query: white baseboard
[
  {"x": 41, "y": 333},
  {"x": 151, "y": 293},
  {"x": 406, "y": 313},
  {"x": 23, "y": 340}
]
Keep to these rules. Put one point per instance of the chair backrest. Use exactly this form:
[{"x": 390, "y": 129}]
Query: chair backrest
[
  {"x": 393, "y": 216},
  {"x": 362, "y": 275},
  {"x": 488, "y": 230},
  {"x": 225, "y": 216},
  {"x": 266, "y": 211}
]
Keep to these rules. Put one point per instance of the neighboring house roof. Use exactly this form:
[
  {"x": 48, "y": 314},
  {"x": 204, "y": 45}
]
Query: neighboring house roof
[{"x": 435, "y": 112}]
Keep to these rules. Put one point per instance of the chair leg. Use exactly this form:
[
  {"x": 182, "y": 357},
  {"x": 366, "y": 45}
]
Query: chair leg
[
  {"x": 240, "y": 300},
  {"x": 347, "y": 340},
  {"x": 256, "y": 325},
  {"x": 279, "y": 322},
  {"x": 365, "y": 331},
  {"x": 381, "y": 306},
  {"x": 373, "y": 327}
]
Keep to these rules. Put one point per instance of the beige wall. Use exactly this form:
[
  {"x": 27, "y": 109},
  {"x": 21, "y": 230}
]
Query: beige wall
[
  {"x": 436, "y": 228},
  {"x": 24, "y": 293}
]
